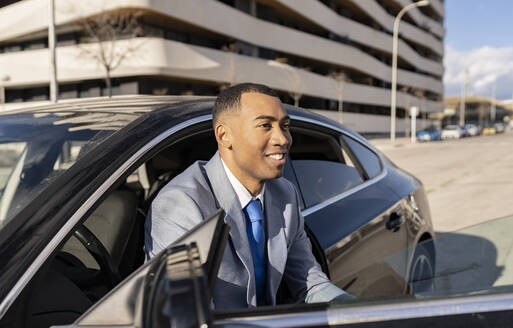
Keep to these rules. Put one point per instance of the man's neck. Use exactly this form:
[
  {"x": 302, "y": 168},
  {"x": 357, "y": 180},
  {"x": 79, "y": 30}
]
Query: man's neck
[{"x": 254, "y": 187}]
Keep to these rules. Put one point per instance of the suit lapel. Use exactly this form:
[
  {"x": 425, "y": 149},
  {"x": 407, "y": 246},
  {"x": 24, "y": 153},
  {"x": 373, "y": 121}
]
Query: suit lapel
[
  {"x": 276, "y": 239},
  {"x": 228, "y": 200}
]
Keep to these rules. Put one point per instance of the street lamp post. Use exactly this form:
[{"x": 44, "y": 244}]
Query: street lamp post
[
  {"x": 394, "y": 63},
  {"x": 493, "y": 111},
  {"x": 54, "y": 87},
  {"x": 464, "y": 87}
]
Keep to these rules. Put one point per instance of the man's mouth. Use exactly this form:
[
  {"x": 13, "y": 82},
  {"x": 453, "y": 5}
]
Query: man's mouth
[{"x": 279, "y": 157}]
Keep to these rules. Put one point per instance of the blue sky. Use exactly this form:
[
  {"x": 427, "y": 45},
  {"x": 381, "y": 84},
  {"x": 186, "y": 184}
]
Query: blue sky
[
  {"x": 479, "y": 36},
  {"x": 472, "y": 24}
]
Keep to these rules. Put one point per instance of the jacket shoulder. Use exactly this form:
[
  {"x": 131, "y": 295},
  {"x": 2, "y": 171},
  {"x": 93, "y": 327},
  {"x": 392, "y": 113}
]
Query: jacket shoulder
[
  {"x": 192, "y": 175},
  {"x": 193, "y": 182},
  {"x": 283, "y": 186}
]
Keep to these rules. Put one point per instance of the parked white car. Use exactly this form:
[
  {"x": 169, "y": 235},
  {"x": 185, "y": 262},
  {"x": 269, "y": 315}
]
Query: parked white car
[
  {"x": 471, "y": 129},
  {"x": 499, "y": 127},
  {"x": 452, "y": 132}
]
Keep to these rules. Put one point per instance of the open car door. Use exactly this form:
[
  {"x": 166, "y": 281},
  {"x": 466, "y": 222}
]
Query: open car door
[{"x": 173, "y": 289}]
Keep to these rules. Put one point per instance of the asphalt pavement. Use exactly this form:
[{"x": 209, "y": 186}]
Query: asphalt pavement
[{"x": 469, "y": 183}]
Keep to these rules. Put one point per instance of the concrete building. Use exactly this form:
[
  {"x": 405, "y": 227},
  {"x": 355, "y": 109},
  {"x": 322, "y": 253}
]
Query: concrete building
[
  {"x": 479, "y": 110},
  {"x": 314, "y": 52}
]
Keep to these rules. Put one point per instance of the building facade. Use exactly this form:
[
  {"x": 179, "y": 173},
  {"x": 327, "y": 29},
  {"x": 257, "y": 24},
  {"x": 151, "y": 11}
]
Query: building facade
[
  {"x": 477, "y": 110},
  {"x": 315, "y": 53}
]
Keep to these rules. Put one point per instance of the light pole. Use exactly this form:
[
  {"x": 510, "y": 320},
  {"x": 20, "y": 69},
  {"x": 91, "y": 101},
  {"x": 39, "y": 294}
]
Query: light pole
[
  {"x": 493, "y": 111},
  {"x": 394, "y": 63},
  {"x": 464, "y": 87},
  {"x": 54, "y": 87}
]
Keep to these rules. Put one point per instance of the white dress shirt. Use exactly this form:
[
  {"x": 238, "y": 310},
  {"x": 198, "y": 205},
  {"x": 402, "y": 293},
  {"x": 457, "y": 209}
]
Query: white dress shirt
[{"x": 242, "y": 193}]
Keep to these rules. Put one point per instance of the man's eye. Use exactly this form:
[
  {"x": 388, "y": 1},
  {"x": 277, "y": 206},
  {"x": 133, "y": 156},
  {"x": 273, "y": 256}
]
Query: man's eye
[
  {"x": 286, "y": 125},
  {"x": 265, "y": 125}
]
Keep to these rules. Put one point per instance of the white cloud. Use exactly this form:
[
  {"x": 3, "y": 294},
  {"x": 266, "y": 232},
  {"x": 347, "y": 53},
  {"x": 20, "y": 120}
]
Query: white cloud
[{"x": 486, "y": 65}]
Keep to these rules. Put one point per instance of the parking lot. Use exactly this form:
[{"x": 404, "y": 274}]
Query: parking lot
[{"x": 468, "y": 181}]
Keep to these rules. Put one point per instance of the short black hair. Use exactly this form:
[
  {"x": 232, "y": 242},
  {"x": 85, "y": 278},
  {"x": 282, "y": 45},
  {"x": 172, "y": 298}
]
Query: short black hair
[{"x": 229, "y": 99}]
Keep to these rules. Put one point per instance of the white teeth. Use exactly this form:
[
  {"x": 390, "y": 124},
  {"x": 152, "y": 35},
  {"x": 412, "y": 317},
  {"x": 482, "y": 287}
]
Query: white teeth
[{"x": 277, "y": 156}]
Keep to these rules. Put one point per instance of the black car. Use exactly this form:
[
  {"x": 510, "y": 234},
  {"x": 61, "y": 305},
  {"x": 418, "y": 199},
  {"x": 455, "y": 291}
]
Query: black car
[{"x": 77, "y": 178}]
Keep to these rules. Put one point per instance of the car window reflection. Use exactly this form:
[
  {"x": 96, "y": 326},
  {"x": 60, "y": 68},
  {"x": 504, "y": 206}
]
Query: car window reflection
[
  {"x": 317, "y": 182},
  {"x": 475, "y": 259},
  {"x": 322, "y": 167},
  {"x": 35, "y": 150}
]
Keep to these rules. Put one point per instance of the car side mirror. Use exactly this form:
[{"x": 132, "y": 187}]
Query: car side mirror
[{"x": 210, "y": 237}]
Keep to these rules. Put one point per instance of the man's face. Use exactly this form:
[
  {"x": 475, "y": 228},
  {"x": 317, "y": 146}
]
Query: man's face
[{"x": 260, "y": 138}]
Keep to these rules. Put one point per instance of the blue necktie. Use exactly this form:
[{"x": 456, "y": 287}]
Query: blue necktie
[{"x": 256, "y": 237}]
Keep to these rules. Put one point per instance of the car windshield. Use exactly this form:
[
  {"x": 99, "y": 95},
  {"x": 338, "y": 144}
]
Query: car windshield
[{"x": 37, "y": 148}]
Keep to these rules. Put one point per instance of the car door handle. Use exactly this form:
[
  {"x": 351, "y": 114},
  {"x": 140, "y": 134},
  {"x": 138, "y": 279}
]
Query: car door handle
[{"x": 395, "y": 221}]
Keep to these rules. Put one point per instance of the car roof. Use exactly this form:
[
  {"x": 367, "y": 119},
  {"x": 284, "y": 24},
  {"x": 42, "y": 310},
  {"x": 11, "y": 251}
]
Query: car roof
[
  {"x": 130, "y": 104},
  {"x": 140, "y": 105}
]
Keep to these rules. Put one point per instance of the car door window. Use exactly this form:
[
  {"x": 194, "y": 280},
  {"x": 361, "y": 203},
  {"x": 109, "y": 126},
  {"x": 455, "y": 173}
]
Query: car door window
[
  {"x": 369, "y": 160},
  {"x": 322, "y": 167},
  {"x": 289, "y": 174}
]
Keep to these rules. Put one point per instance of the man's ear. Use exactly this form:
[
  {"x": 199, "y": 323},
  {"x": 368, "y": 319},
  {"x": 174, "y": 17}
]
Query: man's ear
[{"x": 223, "y": 135}]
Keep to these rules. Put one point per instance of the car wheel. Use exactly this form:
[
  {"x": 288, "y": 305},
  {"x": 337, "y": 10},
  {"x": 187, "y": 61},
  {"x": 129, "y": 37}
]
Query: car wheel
[{"x": 422, "y": 271}]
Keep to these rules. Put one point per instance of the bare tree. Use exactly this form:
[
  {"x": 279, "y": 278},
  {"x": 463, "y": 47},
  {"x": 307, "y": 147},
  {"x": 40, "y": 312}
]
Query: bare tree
[
  {"x": 340, "y": 78},
  {"x": 105, "y": 30},
  {"x": 296, "y": 96},
  {"x": 295, "y": 83},
  {"x": 232, "y": 49}
]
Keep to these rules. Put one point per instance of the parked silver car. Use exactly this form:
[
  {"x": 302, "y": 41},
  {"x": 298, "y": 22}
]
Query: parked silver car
[{"x": 452, "y": 132}]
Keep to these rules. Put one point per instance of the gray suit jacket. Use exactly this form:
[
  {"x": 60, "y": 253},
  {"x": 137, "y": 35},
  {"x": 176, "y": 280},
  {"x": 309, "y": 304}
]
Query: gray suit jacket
[{"x": 190, "y": 198}]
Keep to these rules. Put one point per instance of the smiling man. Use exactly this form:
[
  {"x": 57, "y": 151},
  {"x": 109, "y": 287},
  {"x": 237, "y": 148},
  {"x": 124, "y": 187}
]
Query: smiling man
[{"x": 267, "y": 238}]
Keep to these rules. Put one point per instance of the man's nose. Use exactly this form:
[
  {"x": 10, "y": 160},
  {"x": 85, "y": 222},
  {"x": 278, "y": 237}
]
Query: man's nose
[{"x": 280, "y": 137}]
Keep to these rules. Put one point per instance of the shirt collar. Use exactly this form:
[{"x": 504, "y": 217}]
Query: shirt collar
[{"x": 242, "y": 193}]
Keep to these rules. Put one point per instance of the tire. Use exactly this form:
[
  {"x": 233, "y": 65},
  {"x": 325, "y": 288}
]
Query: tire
[{"x": 422, "y": 271}]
